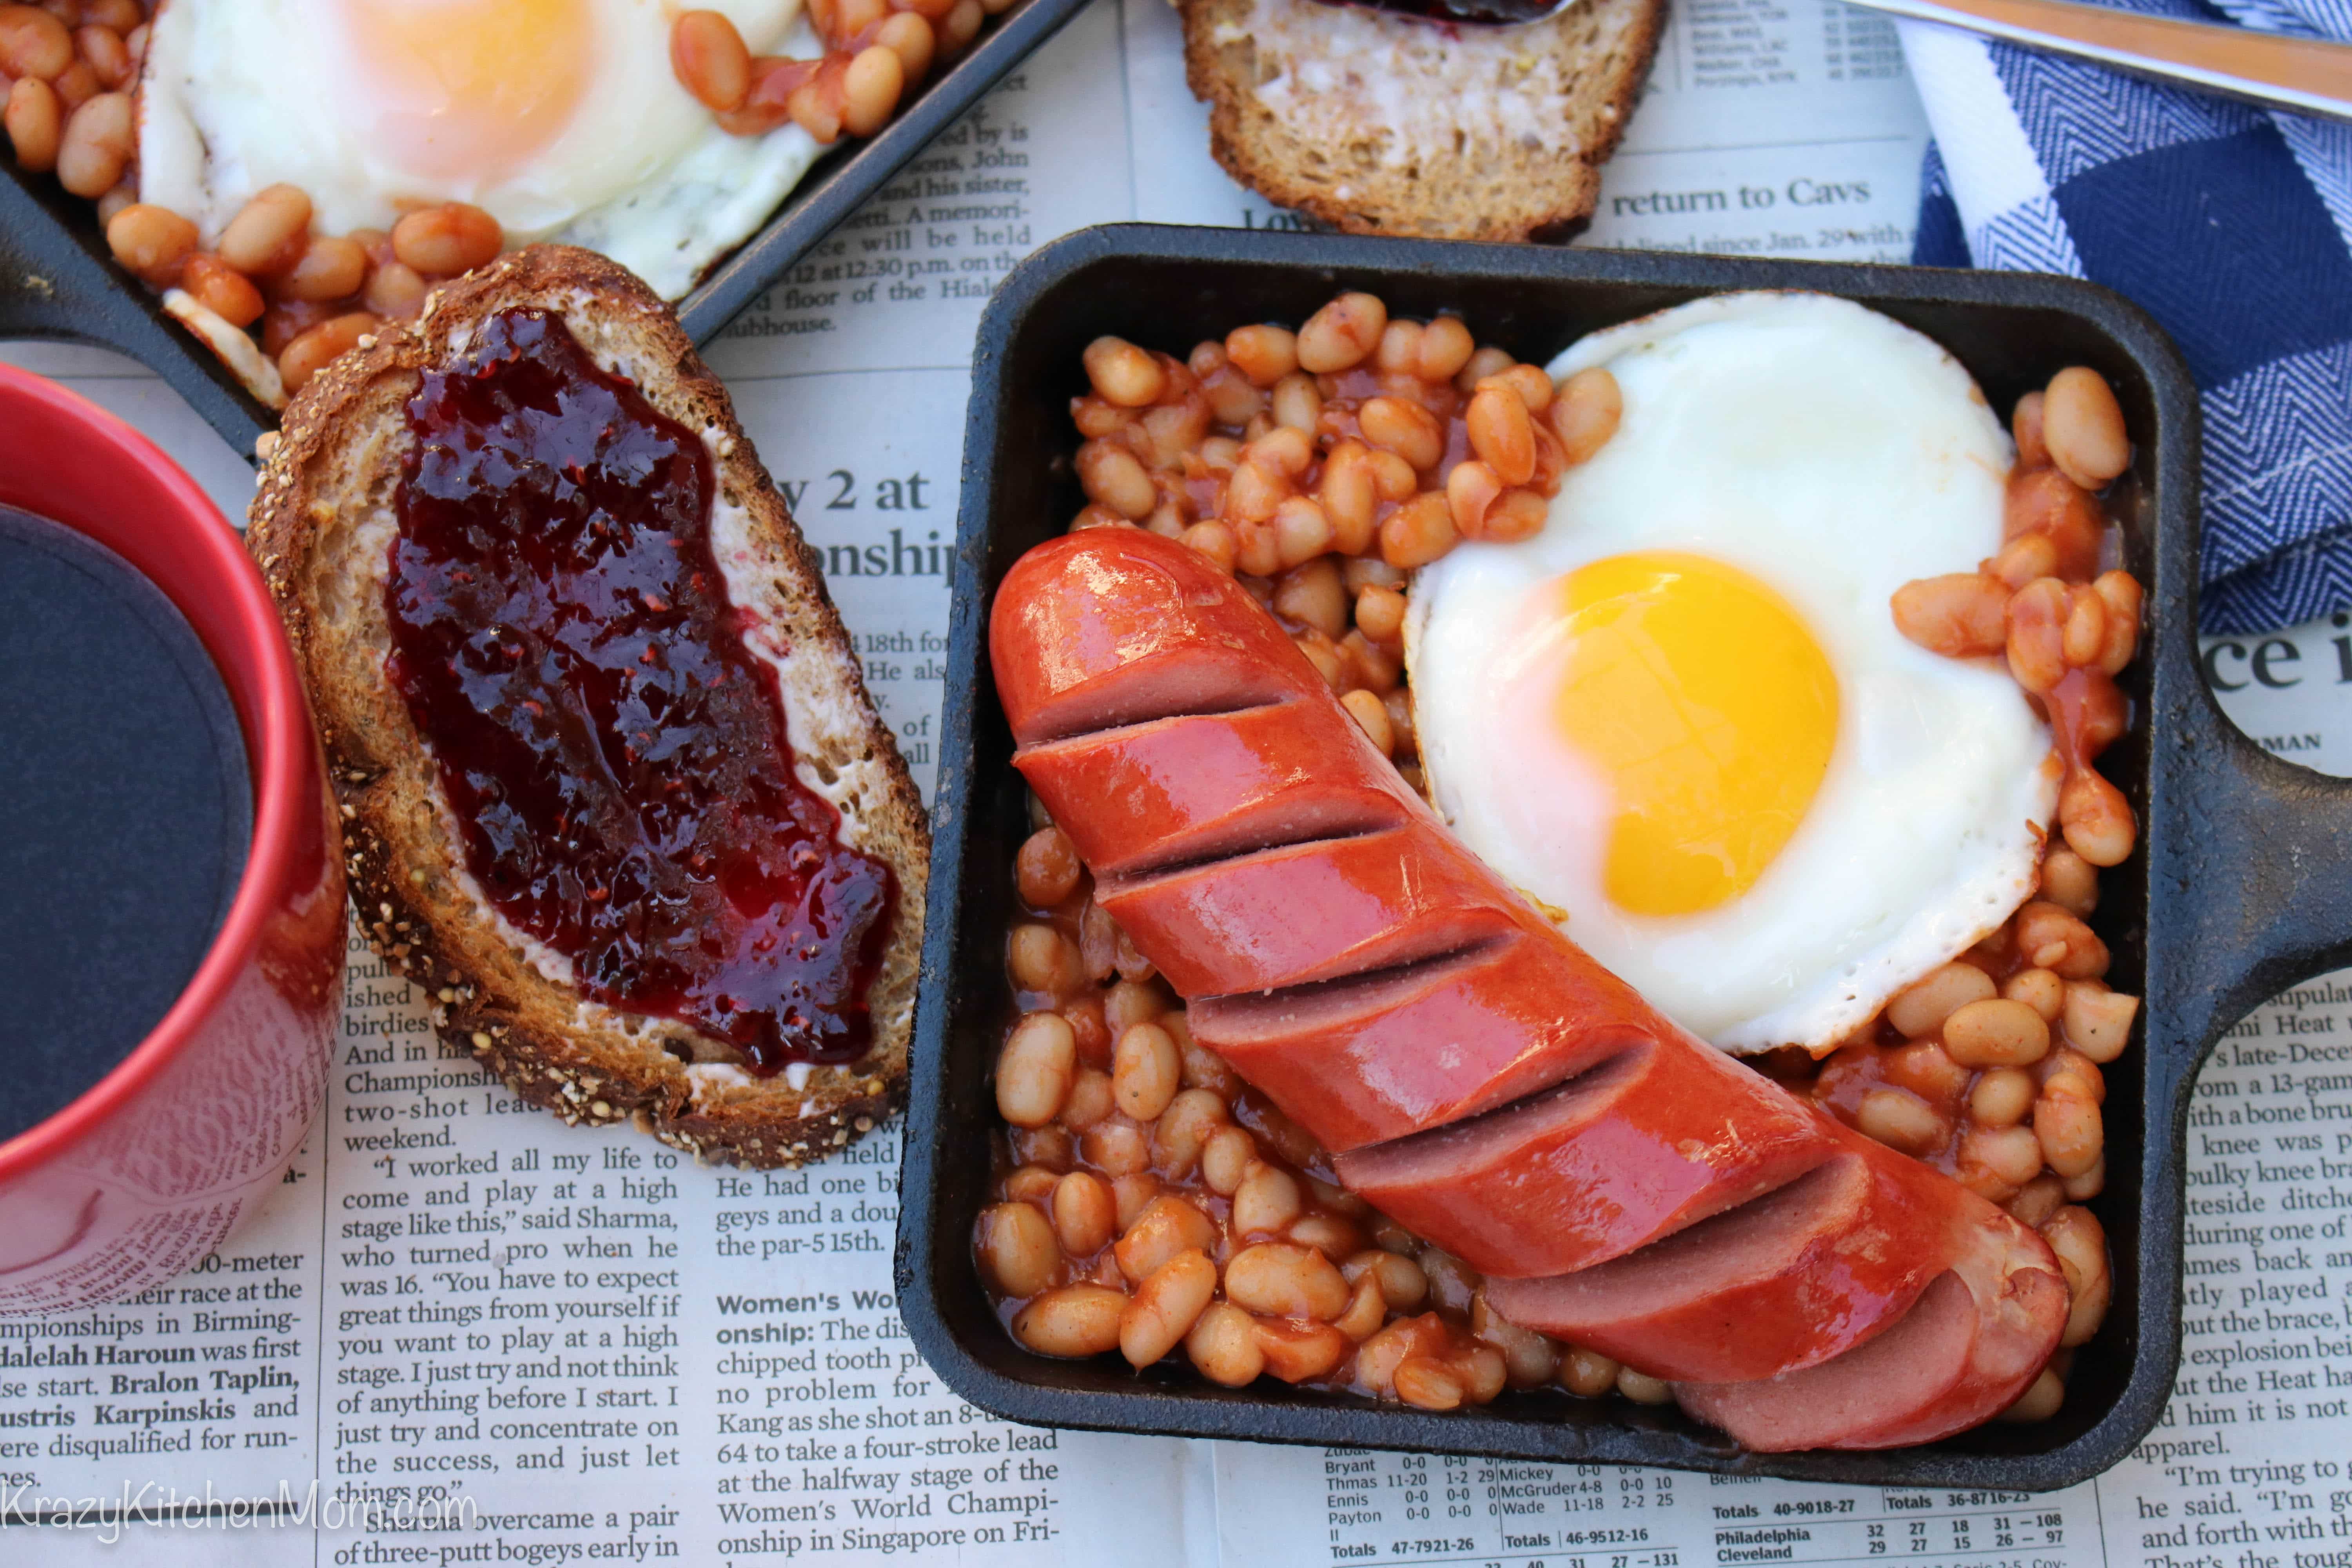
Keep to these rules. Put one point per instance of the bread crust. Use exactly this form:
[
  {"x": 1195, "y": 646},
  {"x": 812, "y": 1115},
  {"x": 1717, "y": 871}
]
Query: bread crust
[
  {"x": 1482, "y": 191},
  {"x": 321, "y": 527}
]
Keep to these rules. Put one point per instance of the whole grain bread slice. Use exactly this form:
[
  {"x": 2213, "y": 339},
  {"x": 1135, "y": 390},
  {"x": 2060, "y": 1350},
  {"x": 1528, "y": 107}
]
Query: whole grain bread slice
[
  {"x": 1380, "y": 124},
  {"x": 321, "y": 527}
]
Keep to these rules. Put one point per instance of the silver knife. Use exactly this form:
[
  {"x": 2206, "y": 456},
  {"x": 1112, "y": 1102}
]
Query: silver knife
[{"x": 2310, "y": 76}]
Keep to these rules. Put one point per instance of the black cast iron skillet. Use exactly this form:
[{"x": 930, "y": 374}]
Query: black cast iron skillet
[
  {"x": 58, "y": 279},
  {"x": 2244, "y": 883}
]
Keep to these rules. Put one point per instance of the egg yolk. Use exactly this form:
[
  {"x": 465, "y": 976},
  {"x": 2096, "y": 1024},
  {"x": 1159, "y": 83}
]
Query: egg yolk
[
  {"x": 472, "y": 86},
  {"x": 1708, "y": 708}
]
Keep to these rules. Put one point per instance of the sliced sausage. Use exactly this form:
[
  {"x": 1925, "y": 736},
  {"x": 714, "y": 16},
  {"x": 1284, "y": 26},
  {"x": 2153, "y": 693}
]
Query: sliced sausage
[
  {"x": 1378, "y": 1056},
  {"x": 1793, "y": 1279},
  {"x": 1657, "y": 1137},
  {"x": 1979, "y": 1333}
]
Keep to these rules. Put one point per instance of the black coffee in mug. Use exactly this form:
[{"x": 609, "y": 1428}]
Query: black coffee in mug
[{"x": 126, "y": 812}]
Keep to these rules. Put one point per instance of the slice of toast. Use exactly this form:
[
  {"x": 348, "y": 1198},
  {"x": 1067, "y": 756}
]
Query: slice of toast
[
  {"x": 322, "y": 525},
  {"x": 1380, "y": 124}
]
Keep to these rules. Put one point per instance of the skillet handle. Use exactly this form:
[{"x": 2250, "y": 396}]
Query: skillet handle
[{"x": 2256, "y": 879}]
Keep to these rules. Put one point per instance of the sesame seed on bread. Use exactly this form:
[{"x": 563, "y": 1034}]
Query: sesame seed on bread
[
  {"x": 321, "y": 525},
  {"x": 1380, "y": 124}
]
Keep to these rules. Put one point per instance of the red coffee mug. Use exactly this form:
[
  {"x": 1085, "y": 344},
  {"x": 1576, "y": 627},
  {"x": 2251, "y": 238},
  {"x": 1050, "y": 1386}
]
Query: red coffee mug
[{"x": 154, "y": 1165}]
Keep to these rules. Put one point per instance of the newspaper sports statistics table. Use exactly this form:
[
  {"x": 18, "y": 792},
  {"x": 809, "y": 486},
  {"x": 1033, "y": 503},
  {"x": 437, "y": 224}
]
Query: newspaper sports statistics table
[{"x": 469, "y": 1333}]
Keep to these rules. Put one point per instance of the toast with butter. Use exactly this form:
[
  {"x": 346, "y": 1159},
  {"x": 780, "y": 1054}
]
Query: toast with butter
[
  {"x": 335, "y": 530},
  {"x": 1380, "y": 124}
]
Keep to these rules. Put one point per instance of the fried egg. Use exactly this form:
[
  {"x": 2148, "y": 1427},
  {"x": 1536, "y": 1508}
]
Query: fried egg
[
  {"x": 1680, "y": 718},
  {"x": 562, "y": 119}
]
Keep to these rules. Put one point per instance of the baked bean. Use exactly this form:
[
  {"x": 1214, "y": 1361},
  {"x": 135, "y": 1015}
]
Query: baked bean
[
  {"x": 1371, "y": 572},
  {"x": 1168, "y": 1226},
  {"x": 2038, "y": 1200},
  {"x": 1445, "y": 347},
  {"x": 1453, "y": 1284},
  {"x": 103, "y": 50},
  {"x": 1471, "y": 489},
  {"x": 1400, "y": 706},
  {"x": 2022, "y": 560},
  {"x": 2089, "y": 1184},
  {"x": 1378, "y": 1358},
  {"x": 395, "y": 290},
  {"x": 1144, "y": 1072},
  {"x": 1960, "y": 614},
  {"x": 151, "y": 241},
  {"x": 1296, "y": 404},
  {"x": 1429, "y": 1384},
  {"x": 2050, "y": 937},
  {"x": 1111, "y": 474},
  {"x": 1042, "y": 959},
  {"x": 1017, "y": 1248},
  {"x": 1393, "y": 479},
  {"x": 1191, "y": 1119},
  {"x": 446, "y": 240},
  {"x": 1031, "y": 1184},
  {"x": 1223, "y": 1345},
  {"x": 1501, "y": 432},
  {"x": 1301, "y": 536},
  {"x": 34, "y": 44},
  {"x": 962, "y": 24},
  {"x": 1515, "y": 515},
  {"x": 328, "y": 269},
  {"x": 1231, "y": 396},
  {"x": 1919, "y": 1009},
  {"x": 2098, "y": 820},
  {"x": 1255, "y": 493},
  {"x": 1265, "y": 1202},
  {"x": 1072, "y": 1321},
  {"x": 1481, "y": 364},
  {"x": 2068, "y": 1063},
  {"x": 1090, "y": 1097},
  {"x": 1046, "y": 869},
  {"x": 2012, "y": 1154},
  {"x": 2041, "y": 1399},
  {"x": 230, "y": 295},
  {"x": 1131, "y": 1003},
  {"x": 1166, "y": 1306},
  {"x": 1529, "y": 1359},
  {"x": 1350, "y": 497},
  {"x": 710, "y": 60},
  {"x": 1094, "y": 1036},
  {"x": 1328, "y": 1234},
  {"x": 1225, "y": 1160},
  {"x": 1371, "y": 715},
  {"x": 2121, "y": 592},
  {"x": 1097, "y": 942},
  {"x": 1400, "y": 425},
  {"x": 910, "y": 36},
  {"x": 2083, "y": 426},
  {"x": 1034, "y": 1071},
  {"x": 1399, "y": 353},
  {"x": 2068, "y": 1121},
  {"x": 121, "y": 15},
  {"x": 1585, "y": 413},
  {"x": 1295, "y": 1351},
  {"x": 1418, "y": 532},
  {"x": 2025, "y": 428},
  {"x": 1282, "y": 1280},
  {"x": 1380, "y": 615},
  {"x": 97, "y": 145},
  {"x": 1265, "y": 355},
  {"x": 1119, "y": 1148},
  {"x": 76, "y": 85},
  {"x": 1587, "y": 1372},
  {"x": 2076, "y": 1236},
  {"x": 1133, "y": 1191},
  {"x": 35, "y": 121},
  {"x": 1995, "y": 1032},
  {"x": 1123, "y": 374},
  {"x": 1339, "y": 336},
  {"x": 1922, "y": 1068},
  {"x": 2038, "y": 989},
  {"x": 270, "y": 232},
  {"x": 1642, "y": 1388},
  {"x": 2002, "y": 1098},
  {"x": 2047, "y": 501},
  {"x": 2097, "y": 1022},
  {"x": 125, "y": 195},
  {"x": 1900, "y": 1120},
  {"x": 1215, "y": 542},
  {"x": 1403, "y": 1285},
  {"x": 2069, "y": 881},
  {"x": 2035, "y": 623},
  {"x": 1367, "y": 1310}
]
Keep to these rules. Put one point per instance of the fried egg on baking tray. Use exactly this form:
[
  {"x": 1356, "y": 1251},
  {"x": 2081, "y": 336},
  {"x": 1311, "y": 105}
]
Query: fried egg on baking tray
[
  {"x": 1682, "y": 713},
  {"x": 562, "y": 118}
]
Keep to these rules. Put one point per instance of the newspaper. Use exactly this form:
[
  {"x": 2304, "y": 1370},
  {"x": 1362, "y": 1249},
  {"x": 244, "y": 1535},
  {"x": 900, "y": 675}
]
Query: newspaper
[{"x": 467, "y": 1333}]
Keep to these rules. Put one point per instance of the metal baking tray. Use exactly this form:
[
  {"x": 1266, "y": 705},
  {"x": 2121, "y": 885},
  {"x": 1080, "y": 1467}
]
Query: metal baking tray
[
  {"x": 58, "y": 279},
  {"x": 2244, "y": 883}
]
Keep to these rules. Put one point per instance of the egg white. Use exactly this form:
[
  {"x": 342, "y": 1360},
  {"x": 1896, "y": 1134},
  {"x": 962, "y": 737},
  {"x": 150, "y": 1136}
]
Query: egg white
[
  {"x": 243, "y": 94},
  {"x": 1834, "y": 455}
]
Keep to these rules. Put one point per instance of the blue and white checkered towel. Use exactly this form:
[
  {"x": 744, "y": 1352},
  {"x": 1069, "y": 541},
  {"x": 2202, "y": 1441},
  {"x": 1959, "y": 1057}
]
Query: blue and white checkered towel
[{"x": 2233, "y": 226}]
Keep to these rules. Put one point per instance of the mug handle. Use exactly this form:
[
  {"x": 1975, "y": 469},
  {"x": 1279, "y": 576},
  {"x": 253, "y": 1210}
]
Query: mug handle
[
  {"x": 58, "y": 282},
  {"x": 2257, "y": 881}
]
